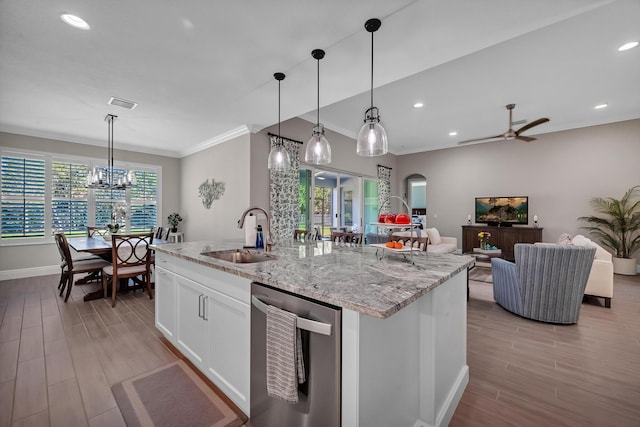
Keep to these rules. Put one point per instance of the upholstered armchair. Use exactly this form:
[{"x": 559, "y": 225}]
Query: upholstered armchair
[{"x": 546, "y": 282}]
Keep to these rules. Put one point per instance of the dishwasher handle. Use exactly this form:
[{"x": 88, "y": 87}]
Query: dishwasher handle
[{"x": 302, "y": 323}]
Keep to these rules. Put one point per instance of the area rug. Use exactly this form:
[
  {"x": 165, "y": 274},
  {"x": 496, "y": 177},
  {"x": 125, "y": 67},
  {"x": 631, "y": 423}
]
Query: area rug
[
  {"x": 172, "y": 395},
  {"x": 481, "y": 274}
]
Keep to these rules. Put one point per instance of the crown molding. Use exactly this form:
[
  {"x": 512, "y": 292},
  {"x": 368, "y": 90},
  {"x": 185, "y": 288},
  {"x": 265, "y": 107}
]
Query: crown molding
[{"x": 233, "y": 133}]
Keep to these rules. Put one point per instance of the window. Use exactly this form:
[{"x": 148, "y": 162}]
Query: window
[
  {"x": 44, "y": 193},
  {"x": 23, "y": 196},
  {"x": 69, "y": 197},
  {"x": 143, "y": 212}
]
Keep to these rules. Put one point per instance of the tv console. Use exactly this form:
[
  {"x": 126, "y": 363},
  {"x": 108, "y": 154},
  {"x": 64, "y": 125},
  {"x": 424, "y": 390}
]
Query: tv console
[{"x": 502, "y": 237}]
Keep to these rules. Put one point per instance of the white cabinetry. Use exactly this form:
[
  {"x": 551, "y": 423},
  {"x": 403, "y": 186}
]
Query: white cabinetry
[
  {"x": 193, "y": 327},
  {"x": 165, "y": 297},
  {"x": 205, "y": 313}
]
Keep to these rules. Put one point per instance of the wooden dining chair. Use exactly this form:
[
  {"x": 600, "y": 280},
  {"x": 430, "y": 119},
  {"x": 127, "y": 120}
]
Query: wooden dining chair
[
  {"x": 96, "y": 231},
  {"x": 70, "y": 267},
  {"x": 130, "y": 258},
  {"x": 304, "y": 235}
]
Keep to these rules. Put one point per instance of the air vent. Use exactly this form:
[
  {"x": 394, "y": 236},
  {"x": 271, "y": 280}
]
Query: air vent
[{"x": 129, "y": 105}]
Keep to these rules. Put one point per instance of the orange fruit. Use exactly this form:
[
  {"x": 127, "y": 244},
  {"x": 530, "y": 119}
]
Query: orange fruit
[
  {"x": 391, "y": 244},
  {"x": 399, "y": 245}
]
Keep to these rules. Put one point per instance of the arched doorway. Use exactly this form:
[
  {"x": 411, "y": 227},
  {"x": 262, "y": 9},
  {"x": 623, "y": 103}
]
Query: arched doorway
[{"x": 416, "y": 195}]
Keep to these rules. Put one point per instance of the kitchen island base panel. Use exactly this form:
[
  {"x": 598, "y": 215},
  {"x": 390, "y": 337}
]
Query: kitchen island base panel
[{"x": 394, "y": 361}]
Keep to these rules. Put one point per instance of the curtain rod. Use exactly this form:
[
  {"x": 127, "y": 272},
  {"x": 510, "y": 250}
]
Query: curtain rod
[
  {"x": 383, "y": 166},
  {"x": 284, "y": 137}
]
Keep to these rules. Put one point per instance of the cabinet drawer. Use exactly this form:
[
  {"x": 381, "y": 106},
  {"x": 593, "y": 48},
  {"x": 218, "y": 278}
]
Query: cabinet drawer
[{"x": 226, "y": 283}]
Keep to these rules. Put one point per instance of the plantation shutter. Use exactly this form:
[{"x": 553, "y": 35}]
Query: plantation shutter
[
  {"x": 144, "y": 201},
  {"x": 23, "y": 196},
  {"x": 69, "y": 203}
]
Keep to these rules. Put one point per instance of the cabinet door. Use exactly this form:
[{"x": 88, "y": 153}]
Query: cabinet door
[
  {"x": 165, "y": 303},
  {"x": 228, "y": 365},
  {"x": 192, "y": 325},
  {"x": 508, "y": 238},
  {"x": 530, "y": 235}
]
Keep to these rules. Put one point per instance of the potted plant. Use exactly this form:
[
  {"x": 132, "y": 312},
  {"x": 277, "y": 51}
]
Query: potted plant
[
  {"x": 118, "y": 216},
  {"x": 174, "y": 219},
  {"x": 617, "y": 228}
]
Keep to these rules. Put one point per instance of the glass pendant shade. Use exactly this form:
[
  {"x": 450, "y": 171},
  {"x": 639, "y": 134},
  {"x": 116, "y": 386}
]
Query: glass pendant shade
[
  {"x": 372, "y": 138},
  {"x": 318, "y": 148},
  {"x": 278, "y": 157}
]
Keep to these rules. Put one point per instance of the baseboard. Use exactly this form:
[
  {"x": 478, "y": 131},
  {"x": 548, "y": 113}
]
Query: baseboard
[
  {"x": 451, "y": 403},
  {"x": 29, "y": 272}
]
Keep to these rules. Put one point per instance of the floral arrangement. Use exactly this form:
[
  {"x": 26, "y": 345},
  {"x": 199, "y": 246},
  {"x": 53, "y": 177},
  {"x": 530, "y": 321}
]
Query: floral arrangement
[
  {"x": 484, "y": 239},
  {"x": 174, "y": 219},
  {"x": 118, "y": 215}
]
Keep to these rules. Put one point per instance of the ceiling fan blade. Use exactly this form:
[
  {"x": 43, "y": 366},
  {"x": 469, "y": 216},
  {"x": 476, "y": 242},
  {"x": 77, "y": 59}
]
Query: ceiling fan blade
[
  {"x": 481, "y": 139},
  {"x": 525, "y": 138},
  {"x": 532, "y": 124}
]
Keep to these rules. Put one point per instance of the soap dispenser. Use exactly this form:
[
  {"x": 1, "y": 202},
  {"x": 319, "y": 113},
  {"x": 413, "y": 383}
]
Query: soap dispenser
[{"x": 259, "y": 238}]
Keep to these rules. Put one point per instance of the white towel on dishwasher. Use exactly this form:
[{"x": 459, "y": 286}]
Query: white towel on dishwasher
[{"x": 285, "y": 364}]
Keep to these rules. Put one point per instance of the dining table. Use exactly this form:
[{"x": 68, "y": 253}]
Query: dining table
[{"x": 101, "y": 247}]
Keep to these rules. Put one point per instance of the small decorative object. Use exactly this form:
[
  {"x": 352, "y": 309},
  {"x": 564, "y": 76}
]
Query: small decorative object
[
  {"x": 469, "y": 219},
  {"x": 118, "y": 215},
  {"x": 210, "y": 192},
  {"x": 174, "y": 219},
  {"x": 484, "y": 239},
  {"x": 535, "y": 221}
]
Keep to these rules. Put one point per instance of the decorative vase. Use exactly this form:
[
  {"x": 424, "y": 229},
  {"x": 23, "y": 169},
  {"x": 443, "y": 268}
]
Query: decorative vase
[{"x": 625, "y": 266}]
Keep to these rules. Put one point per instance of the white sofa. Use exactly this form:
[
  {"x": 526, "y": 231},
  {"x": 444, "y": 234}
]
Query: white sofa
[
  {"x": 600, "y": 283},
  {"x": 437, "y": 244}
]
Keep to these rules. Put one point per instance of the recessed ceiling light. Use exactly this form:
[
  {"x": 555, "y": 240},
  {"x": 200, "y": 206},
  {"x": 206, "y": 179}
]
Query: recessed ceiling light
[
  {"x": 627, "y": 46},
  {"x": 418, "y": 105},
  {"x": 601, "y": 106},
  {"x": 321, "y": 178},
  {"x": 74, "y": 21},
  {"x": 453, "y": 133}
]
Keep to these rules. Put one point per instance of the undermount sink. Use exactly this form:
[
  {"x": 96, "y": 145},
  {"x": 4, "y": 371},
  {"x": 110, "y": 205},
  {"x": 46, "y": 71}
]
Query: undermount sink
[{"x": 240, "y": 256}]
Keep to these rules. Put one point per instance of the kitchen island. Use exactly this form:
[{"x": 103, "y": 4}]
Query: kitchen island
[{"x": 403, "y": 324}]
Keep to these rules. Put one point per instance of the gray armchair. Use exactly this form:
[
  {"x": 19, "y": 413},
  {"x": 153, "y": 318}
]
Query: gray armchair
[{"x": 545, "y": 283}]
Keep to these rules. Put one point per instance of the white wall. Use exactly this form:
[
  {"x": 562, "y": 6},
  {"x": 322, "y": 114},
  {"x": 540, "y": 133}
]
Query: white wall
[
  {"x": 560, "y": 172},
  {"x": 43, "y": 255},
  {"x": 228, "y": 162}
]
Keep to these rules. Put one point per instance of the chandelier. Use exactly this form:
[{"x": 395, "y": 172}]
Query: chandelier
[{"x": 109, "y": 177}]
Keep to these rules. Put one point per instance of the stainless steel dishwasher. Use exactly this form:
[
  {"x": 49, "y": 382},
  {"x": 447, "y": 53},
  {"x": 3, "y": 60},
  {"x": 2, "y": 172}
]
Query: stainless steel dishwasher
[{"x": 319, "y": 397}]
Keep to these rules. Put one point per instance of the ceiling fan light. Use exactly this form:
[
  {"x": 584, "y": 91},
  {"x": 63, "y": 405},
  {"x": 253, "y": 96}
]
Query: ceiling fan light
[{"x": 318, "y": 149}]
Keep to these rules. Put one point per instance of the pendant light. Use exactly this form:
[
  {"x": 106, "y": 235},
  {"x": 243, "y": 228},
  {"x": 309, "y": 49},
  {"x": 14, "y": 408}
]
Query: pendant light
[
  {"x": 278, "y": 157},
  {"x": 318, "y": 148},
  {"x": 372, "y": 138},
  {"x": 106, "y": 178}
]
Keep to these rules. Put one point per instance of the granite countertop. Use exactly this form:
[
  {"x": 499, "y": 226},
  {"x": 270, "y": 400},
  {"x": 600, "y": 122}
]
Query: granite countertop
[{"x": 362, "y": 279}]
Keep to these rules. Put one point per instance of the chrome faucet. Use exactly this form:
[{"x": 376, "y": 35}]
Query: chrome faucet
[{"x": 269, "y": 242}]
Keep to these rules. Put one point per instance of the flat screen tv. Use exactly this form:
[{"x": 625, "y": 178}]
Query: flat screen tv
[{"x": 502, "y": 211}]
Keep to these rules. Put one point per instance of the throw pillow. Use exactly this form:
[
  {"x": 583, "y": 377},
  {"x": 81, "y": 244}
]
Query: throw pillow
[
  {"x": 434, "y": 236},
  {"x": 564, "y": 239}
]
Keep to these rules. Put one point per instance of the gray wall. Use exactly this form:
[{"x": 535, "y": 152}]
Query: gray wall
[
  {"x": 41, "y": 255},
  {"x": 228, "y": 162},
  {"x": 560, "y": 172}
]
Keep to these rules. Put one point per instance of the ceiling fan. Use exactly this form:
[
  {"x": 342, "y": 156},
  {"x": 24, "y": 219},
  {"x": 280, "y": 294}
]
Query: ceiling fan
[{"x": 511, "y": 134}]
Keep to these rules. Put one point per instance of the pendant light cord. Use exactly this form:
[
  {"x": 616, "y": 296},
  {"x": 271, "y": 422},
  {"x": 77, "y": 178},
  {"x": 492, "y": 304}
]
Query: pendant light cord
[
  {"x": 372, "y": 69},
  {"x": 318, "y": 95},
  {"x": 279, "y": 137}
]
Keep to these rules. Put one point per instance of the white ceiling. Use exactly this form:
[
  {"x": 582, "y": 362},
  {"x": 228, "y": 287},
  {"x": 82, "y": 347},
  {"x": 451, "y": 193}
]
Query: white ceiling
[{"x": 202, "y": 70}]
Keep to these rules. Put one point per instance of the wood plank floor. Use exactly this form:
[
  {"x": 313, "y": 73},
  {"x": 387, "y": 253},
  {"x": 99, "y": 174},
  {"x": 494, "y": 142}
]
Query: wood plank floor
[
  {"x": 58, "y": 361},
  {"x": 528, "y": 373}
]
